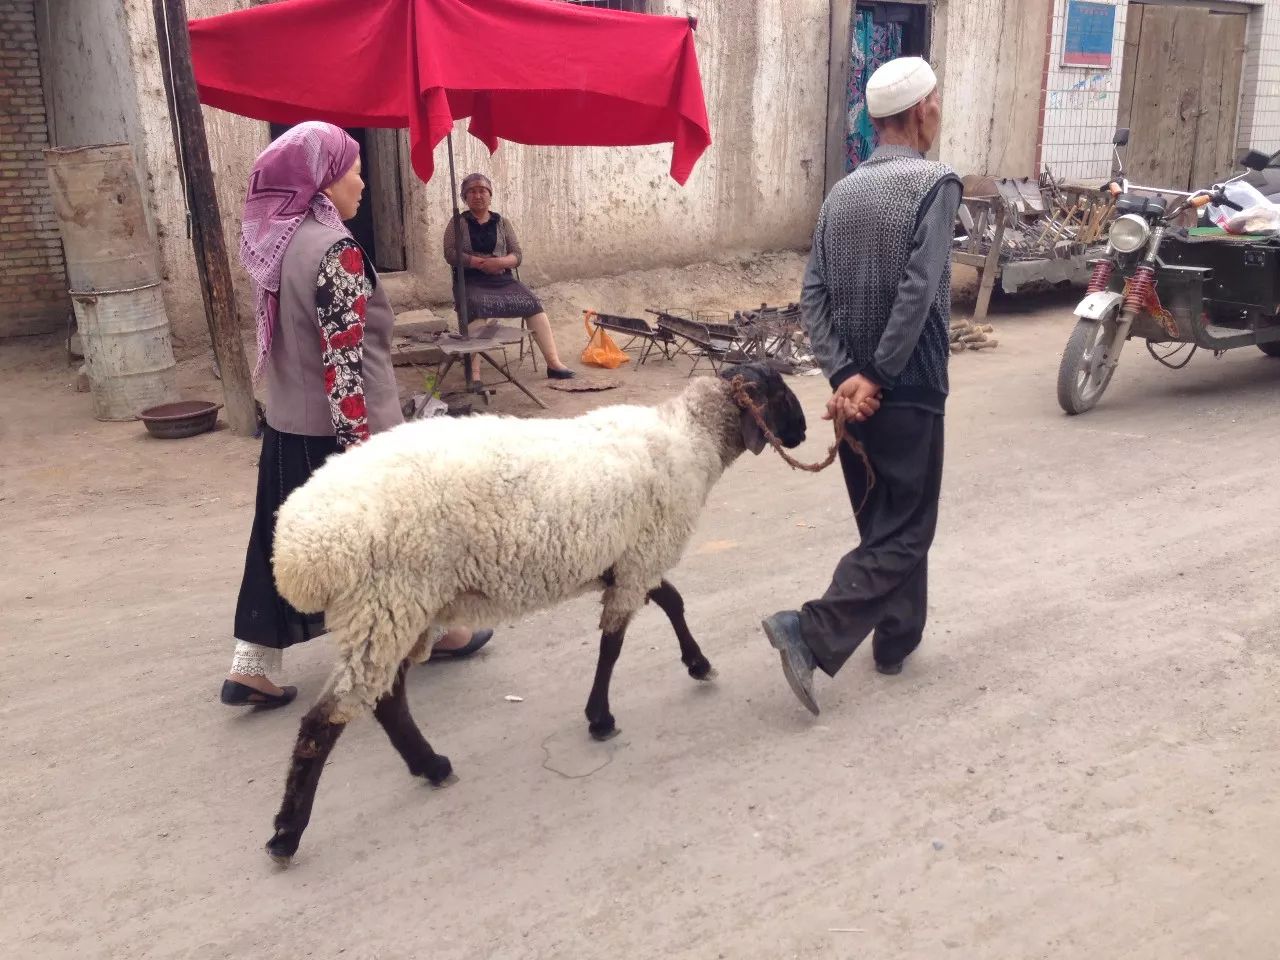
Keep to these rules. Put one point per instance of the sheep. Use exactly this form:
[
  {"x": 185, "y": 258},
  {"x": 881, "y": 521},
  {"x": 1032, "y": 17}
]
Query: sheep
[{"x": 486, "y": 519}]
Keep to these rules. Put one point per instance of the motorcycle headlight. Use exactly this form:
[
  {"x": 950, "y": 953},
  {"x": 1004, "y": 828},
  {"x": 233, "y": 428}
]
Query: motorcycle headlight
[{"x": 1129, "y": 233}]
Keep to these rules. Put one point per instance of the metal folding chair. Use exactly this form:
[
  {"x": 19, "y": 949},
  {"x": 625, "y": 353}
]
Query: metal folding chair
[{"x": 636, "y": 329}]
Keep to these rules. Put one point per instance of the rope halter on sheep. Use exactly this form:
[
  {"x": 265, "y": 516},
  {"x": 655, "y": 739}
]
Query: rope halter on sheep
[{"x": 742, "y": 397}]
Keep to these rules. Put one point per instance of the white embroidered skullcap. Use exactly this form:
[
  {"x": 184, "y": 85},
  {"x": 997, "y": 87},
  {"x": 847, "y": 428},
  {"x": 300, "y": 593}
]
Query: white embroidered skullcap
[{"x": 899, "y": 85}]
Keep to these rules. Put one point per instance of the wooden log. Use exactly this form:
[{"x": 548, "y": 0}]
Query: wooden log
[
  {"x": 206, "y": 222},
  {"x": 985, "y": 345}
]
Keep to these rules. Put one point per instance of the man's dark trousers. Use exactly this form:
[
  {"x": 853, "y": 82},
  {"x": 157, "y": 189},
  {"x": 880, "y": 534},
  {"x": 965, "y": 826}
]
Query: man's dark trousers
[{"x": 882, "y": 585}]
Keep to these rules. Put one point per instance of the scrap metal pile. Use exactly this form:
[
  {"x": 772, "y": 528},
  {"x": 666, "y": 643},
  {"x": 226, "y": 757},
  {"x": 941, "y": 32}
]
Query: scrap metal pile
[
  {"x": 1028, "y": 235},
  {"x": 1044, "y": 220},
  {"x": 776, "y": 333}
]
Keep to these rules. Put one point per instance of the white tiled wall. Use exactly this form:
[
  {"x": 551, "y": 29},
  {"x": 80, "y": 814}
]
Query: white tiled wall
[
  {"x": 1260, "y": 86},
  {"x": 1081, "y": 104}
]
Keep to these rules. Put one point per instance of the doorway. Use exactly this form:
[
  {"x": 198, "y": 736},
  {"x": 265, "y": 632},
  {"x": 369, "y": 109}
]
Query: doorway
[
  {"x": 378, "y": 226},
  {"x": 1180, "y": 93},
  {"x": 880, "y": 32}
]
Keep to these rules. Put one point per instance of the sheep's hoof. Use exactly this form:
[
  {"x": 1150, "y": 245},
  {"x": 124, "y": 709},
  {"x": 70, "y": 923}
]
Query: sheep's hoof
[
  {"x": 702, "y": 671},
  {"x": 282, "y": 847},
  {"x": 439, "y": 771},
  {"x": 604, "y": 730}
]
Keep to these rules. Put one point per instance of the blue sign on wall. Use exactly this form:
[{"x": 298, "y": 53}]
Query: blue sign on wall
[{"x": 1091, "y": 30}]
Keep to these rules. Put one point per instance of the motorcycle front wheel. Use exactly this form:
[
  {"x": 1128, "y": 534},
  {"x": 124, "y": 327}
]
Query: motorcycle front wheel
[{"x": 1085, "y": 371}]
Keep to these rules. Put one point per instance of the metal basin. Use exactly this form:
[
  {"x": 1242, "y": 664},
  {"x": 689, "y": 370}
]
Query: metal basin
[{"x": 171, "y": 421}]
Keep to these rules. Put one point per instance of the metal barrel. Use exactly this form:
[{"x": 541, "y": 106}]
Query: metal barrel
[
  {"x": 114, "y": 279},
  {"x": 127, "y": 350}
]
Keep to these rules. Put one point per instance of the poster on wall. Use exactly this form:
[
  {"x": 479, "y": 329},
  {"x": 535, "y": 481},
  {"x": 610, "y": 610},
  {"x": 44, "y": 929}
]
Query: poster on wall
[{"x": 1091, "y": 29}]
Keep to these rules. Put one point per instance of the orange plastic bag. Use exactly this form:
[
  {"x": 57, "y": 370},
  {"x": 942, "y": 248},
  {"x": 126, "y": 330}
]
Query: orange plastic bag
[{"x": 600, "y": 350}]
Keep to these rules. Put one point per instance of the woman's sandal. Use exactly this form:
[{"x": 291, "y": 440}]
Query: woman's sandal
[
  {"x": 478, "y": 639},
  {"x": 235, "y": 694}
]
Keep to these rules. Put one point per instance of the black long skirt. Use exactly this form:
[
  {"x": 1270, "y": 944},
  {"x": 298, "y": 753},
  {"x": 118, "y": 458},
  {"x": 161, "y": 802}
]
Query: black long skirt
[{"x": 262, "y": 615}]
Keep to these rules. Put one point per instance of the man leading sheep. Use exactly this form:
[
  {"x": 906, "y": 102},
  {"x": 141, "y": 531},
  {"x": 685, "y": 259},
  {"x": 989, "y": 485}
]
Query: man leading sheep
[{"x": 876, "y": 305}]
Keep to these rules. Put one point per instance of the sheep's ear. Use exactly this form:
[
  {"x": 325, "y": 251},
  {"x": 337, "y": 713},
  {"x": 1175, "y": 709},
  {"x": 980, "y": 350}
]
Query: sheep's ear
[{"x": 752, "y": 436}]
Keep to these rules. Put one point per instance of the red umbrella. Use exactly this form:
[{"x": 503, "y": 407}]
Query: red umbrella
[{"x": 530, "y": 71}]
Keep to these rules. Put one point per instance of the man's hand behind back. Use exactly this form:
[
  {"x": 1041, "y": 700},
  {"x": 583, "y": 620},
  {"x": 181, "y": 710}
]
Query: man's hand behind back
[{"x": 856, "y": 399}]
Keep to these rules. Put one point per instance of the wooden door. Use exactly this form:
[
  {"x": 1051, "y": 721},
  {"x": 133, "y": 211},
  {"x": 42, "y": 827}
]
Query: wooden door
[
  {"x": 1180, "y": 94},
  {"x": 385, "y": 194}
]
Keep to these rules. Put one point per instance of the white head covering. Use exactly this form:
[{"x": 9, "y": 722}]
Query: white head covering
[{"x": 899, "y": 85}]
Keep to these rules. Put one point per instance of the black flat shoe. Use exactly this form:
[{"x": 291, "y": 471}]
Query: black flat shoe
[
  {"x": 478, "y": 639},
  {"x": 236, "y": 694},
  {"x": 565, "y": 374},
  {"x": 889, "y": 669}
]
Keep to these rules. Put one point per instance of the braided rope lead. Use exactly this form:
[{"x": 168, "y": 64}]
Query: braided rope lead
[{"x": 742, "y": 397}]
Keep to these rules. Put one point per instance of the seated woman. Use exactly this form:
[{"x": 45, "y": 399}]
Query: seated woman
[{"x": 490, "y": 251}]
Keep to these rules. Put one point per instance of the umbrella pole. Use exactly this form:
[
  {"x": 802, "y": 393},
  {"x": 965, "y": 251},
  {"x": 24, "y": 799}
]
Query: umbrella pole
[{"x": 459, "y": 277}]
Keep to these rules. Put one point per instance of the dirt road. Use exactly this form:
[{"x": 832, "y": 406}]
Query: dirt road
[{"x": 1082, "y": 760}]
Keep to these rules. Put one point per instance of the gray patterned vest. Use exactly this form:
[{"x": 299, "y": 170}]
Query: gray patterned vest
[
  {"x": 866, "y": 230},
  {"x": 297, "y": 401}
]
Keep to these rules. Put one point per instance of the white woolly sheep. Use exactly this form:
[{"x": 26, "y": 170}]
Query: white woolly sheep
[{"x": 487, "y": 519}]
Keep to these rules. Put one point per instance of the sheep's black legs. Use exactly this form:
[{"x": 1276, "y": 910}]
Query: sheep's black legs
[
  {"x": 598, "y": 715},
  {"x": 392, "y": 712},
  {"x": 316, "y": 737},
  {"x": 668, "y": 598}
]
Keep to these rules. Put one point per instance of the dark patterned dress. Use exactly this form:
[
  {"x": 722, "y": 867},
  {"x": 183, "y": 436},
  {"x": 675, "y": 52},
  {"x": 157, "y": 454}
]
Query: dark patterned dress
[{"x": 497, "y": 295}]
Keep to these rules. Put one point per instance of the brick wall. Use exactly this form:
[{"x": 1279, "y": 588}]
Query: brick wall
[{"x": 33, "y": 286}]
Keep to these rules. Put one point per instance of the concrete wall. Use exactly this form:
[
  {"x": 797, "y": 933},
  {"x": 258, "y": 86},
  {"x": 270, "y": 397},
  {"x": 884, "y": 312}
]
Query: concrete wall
[
  {"x": 233, "y": 144},
  {"x": 33, "y": 284},
  {"x": 580, "y": 212},
  {"x": 989, "y": 56},
  {"x": 992, "y": 55}
]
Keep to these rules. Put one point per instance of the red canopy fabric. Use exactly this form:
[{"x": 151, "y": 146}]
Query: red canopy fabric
[{"x": 530, "y": 71}]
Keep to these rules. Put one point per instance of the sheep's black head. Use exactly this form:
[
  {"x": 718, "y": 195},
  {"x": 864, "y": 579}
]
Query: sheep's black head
[{"x": 762, "y": 382}]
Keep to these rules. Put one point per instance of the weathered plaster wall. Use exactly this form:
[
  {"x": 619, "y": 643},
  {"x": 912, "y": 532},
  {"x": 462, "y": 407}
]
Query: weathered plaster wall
[
  {"x": 85, "y": 60},
  {"x": 233, "y": 144},
  {"x": 581, "y": 212},
  {"x": 993, "y": 51}
]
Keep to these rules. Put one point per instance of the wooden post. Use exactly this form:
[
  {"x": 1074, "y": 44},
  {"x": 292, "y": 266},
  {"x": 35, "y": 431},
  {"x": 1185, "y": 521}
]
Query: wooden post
[
  {"x": 206, "y": 222},
  {"x": 987, "y": 281},
  {"x": 838, "y": 55}
]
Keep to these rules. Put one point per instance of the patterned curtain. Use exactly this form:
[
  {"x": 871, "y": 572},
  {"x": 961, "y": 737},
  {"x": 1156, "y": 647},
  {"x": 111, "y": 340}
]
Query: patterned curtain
[{"x": 874, "y": 44}]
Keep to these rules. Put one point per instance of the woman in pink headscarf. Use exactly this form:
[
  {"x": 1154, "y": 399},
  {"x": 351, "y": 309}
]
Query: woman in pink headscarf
[{"x": 324, "y": 357}]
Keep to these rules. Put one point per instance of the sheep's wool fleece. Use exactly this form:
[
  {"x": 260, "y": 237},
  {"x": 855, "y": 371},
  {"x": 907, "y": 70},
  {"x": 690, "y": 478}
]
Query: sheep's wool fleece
[{"x": 482, "y": 519}]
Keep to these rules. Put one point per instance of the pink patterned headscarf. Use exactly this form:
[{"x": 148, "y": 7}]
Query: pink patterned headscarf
[{"x": 284, "y": 187}]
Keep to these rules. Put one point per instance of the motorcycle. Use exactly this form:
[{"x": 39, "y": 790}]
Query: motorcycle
[{"x": 1172, "y": 287}]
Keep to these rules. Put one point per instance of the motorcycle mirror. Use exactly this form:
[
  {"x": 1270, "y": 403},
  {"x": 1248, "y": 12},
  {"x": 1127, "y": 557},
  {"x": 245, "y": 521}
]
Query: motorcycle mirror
[
  {"x": 1121, "y": 139},
  {"x": 1254, "y": 160}
]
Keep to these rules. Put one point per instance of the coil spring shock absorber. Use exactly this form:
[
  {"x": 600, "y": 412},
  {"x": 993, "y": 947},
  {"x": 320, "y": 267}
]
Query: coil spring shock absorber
[
  {"x": 1101, "y": 277},
  {"x": 1141, "y": 289}
]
